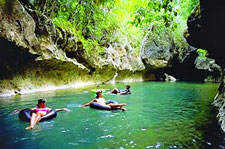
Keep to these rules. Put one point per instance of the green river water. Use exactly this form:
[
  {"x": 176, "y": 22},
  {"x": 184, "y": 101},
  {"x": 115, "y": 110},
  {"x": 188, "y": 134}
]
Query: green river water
[{"x": 159, "y": 115}]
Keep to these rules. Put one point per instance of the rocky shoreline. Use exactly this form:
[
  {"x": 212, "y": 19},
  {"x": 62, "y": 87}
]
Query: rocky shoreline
[{"x": 9, "y": 93}]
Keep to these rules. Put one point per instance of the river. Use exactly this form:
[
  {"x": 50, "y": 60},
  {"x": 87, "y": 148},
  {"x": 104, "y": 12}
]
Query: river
[{"x": 159, "y": 115}]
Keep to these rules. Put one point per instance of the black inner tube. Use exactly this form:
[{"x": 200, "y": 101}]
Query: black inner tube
[
  {"x": 25, "y": 115},
  {"x": 101, "y": 106}
]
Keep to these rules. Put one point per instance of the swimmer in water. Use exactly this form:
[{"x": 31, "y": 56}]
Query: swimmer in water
[{"x": 38, "y": 112}]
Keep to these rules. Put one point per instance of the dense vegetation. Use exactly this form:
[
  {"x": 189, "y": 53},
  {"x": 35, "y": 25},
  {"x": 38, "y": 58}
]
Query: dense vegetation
[
  {"x": 90, "y": 26},
  {"x": 97, "y": 23}
]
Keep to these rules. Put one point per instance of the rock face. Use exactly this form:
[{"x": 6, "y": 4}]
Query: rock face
[
  {"x": 34, "y": 56},
  {"x": 161, "y": 54},
  {"x": 120, "y": 59},
  {"x": 206, "y": 30},
  {"x": 17, "y": 25},
  {"x": 157, "y": 50},
  {"x": 209, "y": 68},
  {"x": 195, "y": 68}
]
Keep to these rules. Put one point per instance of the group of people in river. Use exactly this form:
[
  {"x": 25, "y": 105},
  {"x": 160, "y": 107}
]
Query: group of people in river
[
  {"x": 41, "y": 110},
  {"x": 114, "y": 91},
  {"x": 99, "y": 99},
  {"x": 121, "y": 92}
]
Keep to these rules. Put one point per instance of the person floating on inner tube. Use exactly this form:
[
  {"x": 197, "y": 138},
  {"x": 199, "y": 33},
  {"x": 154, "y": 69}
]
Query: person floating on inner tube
[
  {"x": 121, "y": 92},
  {"x": 99, "y": 99},
  {"x": 98, "y": 89},
  {"x": 40, "y": 111}
]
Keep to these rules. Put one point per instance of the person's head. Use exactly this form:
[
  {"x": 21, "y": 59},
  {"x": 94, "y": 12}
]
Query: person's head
[
  {"x": 98, "y": 94},
  {"x": 98, "y": 87},
  {"x": 41, "y": 103},
  {"x": 127, "y": 86}
]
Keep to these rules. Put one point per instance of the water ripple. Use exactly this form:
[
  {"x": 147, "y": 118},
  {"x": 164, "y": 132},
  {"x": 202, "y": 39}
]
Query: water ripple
[
  {"x": 106, "y": 137},
  {"x": 159, "y": 115}
]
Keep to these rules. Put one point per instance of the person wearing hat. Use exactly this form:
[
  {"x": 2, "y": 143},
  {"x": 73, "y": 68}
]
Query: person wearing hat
[{"x": 99, "y": 99}]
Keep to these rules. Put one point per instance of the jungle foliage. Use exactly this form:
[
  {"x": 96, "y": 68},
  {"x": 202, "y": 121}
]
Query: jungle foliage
[
  {"x": 97, "y": 23},
  {"x": 202, "y": 53}
]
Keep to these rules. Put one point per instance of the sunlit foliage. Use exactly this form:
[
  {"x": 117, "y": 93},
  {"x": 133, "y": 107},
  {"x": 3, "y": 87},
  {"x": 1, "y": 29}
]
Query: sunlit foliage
[
  {"x": 170, "y": 14},
  {"x": 202, "y": 53},
  {"x": 98, "y": 23}
]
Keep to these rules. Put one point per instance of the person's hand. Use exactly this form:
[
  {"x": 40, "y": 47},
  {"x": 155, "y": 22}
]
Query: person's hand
[{"x": 15, "y": 111}]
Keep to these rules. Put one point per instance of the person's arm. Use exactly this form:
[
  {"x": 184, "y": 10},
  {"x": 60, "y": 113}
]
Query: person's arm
[
  {"x": 115, "y": 91},
  {"x": 17, "y": 111},
  {"x": 87, "y": 104},
  {"x": 62, "y": 109},
  {"x": 126, "y": 91}
]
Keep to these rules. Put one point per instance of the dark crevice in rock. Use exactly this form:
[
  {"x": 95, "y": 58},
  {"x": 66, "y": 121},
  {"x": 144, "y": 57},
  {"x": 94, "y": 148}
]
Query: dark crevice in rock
[
  {"x": 13, "y": 59},
  {"x": 187, "y": 70},
  {"x": 79, "y": 56},
  {"x": 153, "y": 75},
  {"x": 9, "y": 7}
]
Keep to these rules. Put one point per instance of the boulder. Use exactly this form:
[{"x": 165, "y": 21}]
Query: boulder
[{"x": 170, "y": 78}]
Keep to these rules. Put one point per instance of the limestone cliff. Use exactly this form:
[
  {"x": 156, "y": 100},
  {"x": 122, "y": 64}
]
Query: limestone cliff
[
  {"x": 206, "y": 30},
  {"x": 33, "y": 56},
  {"x": 161, "y": 53}
]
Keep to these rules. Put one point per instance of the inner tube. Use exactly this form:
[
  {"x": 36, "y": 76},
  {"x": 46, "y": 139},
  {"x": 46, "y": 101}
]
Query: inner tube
[
  {"x": 25, "y": 115},
  {"x": 111, "y": 101},
  {"x": 125, "y": 93},
  {"x": 96, "y": 105}
]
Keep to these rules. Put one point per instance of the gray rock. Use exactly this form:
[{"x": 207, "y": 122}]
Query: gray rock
[{"x": 157, "y": 50}]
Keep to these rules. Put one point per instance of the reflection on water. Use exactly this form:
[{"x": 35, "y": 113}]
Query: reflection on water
[{"x": 160, "y": 115}]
